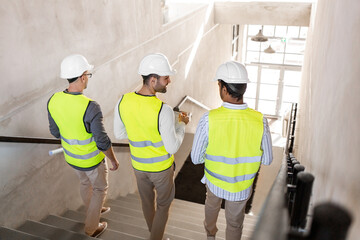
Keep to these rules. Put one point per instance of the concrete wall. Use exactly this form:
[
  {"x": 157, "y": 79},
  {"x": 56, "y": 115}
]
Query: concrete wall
[
  {"x": 328, "y": 137},
  {"x": 114, "y": 36}
]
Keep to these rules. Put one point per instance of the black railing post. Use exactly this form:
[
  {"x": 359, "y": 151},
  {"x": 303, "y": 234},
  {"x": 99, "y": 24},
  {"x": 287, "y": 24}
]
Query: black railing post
[
  {"x": 330, "y": 222},
  {"x": 292, "y": 186},
  {"x": 302, "y": 199},
  {"x": 296, "y": 169}
]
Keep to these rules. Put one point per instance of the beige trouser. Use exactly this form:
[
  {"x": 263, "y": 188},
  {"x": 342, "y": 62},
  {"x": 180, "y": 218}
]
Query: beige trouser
[
  {"x": 93, "y": 189},
  {"x": 163, "y": 183},
  {"x": 234, "y": 214}
]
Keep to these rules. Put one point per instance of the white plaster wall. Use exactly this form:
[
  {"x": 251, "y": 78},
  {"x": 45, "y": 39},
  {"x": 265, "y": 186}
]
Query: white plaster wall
[
  {"x": 328, "y": 135},
  {"x": 114, "y": 35}
]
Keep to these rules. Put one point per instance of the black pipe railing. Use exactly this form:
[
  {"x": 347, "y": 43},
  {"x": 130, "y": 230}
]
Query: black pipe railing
[
  {"x": 284, "y": 215},
  {"x": 273, "y": 220},
  {"x": 9, "y": 139}
]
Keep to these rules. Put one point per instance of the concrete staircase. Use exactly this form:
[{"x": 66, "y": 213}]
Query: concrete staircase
[{"x": 126, "y": 222}]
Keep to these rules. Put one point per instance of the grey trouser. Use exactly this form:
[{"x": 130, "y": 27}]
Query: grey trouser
[
  {"x": 93, "y": 189},
  {"x": 163, "y": 183},
  {"x": 234, "y": 214}
]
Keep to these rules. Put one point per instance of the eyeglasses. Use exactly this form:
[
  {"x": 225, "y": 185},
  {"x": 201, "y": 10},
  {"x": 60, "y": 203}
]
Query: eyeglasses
[{"x": 88, "y": 74}]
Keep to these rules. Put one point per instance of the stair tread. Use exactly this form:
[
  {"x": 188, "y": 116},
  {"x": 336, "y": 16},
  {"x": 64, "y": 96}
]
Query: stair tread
[
  {"x": 195, "y": 208},
  {"x": 77, "y": 226},
  {"x": 50, "y": 232},
  {"x": 13, "y": 234},
  {"x": 176, "y": 212},
  {"x": 121, "y": 219}
]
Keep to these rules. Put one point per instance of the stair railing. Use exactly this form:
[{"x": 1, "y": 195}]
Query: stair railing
[
  {"x": 285, "y": 212},
  {"x": 177, "y": 107},
  {"x": 10, "y": 139}
]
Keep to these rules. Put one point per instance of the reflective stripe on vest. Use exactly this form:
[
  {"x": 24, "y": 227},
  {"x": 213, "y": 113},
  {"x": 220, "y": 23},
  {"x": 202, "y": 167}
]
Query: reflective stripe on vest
[
  {"x": 140, "y": 115},
  {"x": 68, "y": 111},
  {"x": 234, "y": 151}
]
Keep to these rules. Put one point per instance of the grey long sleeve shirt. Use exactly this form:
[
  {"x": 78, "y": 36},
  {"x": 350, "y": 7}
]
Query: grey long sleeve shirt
[{"x": 93, "y": 121}]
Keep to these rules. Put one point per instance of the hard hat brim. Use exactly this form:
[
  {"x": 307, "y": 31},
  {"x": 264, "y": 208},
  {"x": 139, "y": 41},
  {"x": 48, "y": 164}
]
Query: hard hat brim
[
  {"x": 167, "y": 73},
  {"x": 232, "y": 81}
]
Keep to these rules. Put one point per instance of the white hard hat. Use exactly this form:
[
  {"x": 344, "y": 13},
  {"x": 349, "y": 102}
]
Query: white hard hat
[
  {"x": 232, "y": 72},
  {"x": 74, "y": 66},
  {"x": 156, "y": 63}
]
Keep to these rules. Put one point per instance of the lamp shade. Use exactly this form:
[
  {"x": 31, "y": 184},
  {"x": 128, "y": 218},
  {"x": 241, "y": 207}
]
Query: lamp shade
[
  {"x": 259, "y": 37},
  {"x": 269, "y": 50}
]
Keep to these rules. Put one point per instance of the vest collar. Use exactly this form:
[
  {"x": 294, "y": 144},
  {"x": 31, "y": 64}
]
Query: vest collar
[
  {"x": 72, "y": 93},
  {"x": 234, "y": 106},
  {"x": 145, "y": 95}
]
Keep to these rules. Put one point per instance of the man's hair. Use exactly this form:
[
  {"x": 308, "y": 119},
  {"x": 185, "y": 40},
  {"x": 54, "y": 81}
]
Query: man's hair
[
  {"x": 71, "y": 80},
  {"x": 147, "y": 78},
  {"x": 235, "y": 90}
]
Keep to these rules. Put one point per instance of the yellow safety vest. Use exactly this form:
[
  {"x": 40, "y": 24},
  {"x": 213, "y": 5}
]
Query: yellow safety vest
[
  {"x": 68, "y": 112},
  {"x": 140, "y": 115},
  {"x": 234, "y": 151}
]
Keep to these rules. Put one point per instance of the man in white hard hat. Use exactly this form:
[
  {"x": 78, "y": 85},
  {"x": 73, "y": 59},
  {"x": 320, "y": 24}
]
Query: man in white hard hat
[
  {"x": 232, "y": 141},
  {"x": 78, "y": 121},
  {"x": 154, "y": 137}
]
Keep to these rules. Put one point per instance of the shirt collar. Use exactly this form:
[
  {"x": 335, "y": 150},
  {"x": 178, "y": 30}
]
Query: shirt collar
[
  {"x": 235, "y": 106},
  {"x": 72, "y": 93}
]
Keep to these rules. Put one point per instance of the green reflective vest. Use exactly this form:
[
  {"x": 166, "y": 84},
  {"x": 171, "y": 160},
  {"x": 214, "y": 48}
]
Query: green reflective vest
[
  {"x": 68, "y": 112},
  {"x": 140, "y": 115},
  {"x": 234, "y": 151}
]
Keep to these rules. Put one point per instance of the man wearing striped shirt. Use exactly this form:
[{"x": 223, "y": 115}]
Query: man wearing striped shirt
[{"x": 232, "y": 141}]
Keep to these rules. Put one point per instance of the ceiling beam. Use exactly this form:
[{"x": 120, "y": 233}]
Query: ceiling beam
[{"x": 263, "y": 13}]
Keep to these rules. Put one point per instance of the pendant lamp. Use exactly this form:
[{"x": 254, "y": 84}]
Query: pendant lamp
[
  {"x": 259, "y": 37},
  {"x": 269, "y": 50}
]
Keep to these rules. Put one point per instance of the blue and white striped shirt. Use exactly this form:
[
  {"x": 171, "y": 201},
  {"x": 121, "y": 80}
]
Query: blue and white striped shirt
[{"x": 200, "y": 144}]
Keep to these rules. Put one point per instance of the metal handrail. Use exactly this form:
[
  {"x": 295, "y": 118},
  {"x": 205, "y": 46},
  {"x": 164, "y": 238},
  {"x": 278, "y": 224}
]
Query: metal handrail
[
  {"x": 177, "y": 107},
  {"x": 10, "y": 139},
  {"x": 274, "y": 220}
]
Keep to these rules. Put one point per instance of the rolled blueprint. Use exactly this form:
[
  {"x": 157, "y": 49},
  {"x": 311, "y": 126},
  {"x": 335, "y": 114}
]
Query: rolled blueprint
[{"x": 56, "y": 151}]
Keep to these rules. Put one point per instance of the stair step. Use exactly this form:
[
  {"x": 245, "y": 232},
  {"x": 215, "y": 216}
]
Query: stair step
[
  {"x": 195, "y": 209},
  {"x": 13, "y": 234},
  {"x": 50, "y": 232},
  {"x": 181, "y": 218},
  {"x": 114, "y": 229},
  {"x": 178, "y": 213},
  {"x": 138, "y": 222}
]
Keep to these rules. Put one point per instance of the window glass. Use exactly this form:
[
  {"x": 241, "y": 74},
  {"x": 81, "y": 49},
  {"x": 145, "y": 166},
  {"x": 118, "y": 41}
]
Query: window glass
[
  {"x": 295, "y": 46},
  {"x": 290, "y": 94},
  {"x": 278, "y": 46},
  {"x": 252, "y": 57},
  {"x": 268, "y": 92},
  {"x": 269, "y": 30},
  {"x": 267, "y": 107},
  {"x": 252, "y": 73},
  {"x": 250, "y": 90},
  {"x": 293, "y": 32},
  {"x": 270, "y": 76},
  {"x": 294, "y": 59},
  {"x": 250, "y": 102},
  {"x": 292, "y": 78},
  {"x": 252, "y": 45},
  {"x": 253, "y": 29},
  {"x": 275, "y": 58},
  {"x": 280, "y": 31},
  {"x": 303, "y": 32},
  {"x": 285, "y": 107}
]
